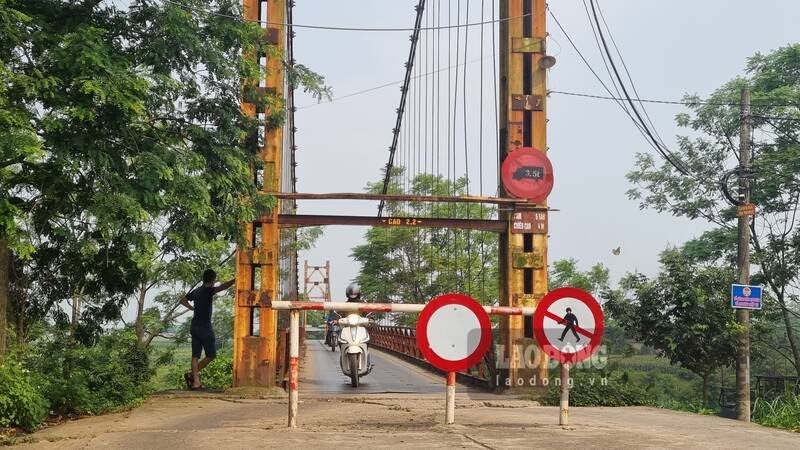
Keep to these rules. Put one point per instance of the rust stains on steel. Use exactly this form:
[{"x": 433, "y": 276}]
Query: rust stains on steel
[
  {"x": 400, "y": 198},
  {"x": 307, "y": 220}
]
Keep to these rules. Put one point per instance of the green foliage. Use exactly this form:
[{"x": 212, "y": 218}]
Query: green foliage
[
  {"x": 565, "y": 272},
  {"x": 600, "y": 389},
  {"x": 315, "y": 318},
  {"x": 21, "y": 401},
  {"x": 90, "y": 380},
  {"x": 782, "y": 412},
  {"x": 774, "y": 79},
  {"x": 312, "y": 82},
  {"x": 413, "y": 265},
  {"x": 218, "y": 375},
  {"x": 683, "y": 312},
  {"x": 126, "y": 155},
  {"x": 692, "y": 407}
]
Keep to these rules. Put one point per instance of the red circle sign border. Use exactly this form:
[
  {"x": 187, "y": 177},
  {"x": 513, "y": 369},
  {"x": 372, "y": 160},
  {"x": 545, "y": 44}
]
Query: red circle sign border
[
  {"x": 538, "y": 324},
  {"x": 422, "y": 335},
  {"x": 507, "y": 175}
]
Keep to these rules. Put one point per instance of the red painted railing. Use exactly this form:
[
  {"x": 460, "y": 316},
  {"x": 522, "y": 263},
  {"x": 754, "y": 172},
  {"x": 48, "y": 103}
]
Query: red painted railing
[{"x": 403, "y": 341}]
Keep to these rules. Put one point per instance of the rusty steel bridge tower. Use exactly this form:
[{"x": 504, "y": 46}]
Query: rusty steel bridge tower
[
  {"x": 523, "y": 123},
  {"x": 263, "y": 267}
]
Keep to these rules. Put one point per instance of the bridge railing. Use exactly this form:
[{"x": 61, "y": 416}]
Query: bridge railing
[{"x": 403, "y": 341}]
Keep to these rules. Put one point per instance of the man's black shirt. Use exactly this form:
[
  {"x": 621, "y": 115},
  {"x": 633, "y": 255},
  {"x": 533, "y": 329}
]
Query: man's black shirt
[
  {"x": 571, "y": 319},
  {"x": 202, "y": 298}
]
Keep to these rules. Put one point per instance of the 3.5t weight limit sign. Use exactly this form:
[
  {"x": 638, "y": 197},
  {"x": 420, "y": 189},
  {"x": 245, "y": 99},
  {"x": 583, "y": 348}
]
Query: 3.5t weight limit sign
[{"x": 568, "y": 324}]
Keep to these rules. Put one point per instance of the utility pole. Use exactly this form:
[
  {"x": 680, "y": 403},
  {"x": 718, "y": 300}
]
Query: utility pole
[{"x": 743, "y": 262}]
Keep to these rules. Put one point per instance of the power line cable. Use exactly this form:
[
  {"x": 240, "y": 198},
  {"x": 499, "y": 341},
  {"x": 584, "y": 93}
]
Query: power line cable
[
  {"x": 662, "y": 151},
  {"x": 627, "y": 72},
  {"x": 332, "y": 28},
  {"x": 599, "y": 79},
  {"x": 670, "y": 102}
]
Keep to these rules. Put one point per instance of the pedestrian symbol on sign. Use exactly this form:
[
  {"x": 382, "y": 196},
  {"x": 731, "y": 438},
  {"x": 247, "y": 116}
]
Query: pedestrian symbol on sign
[{"x": 570, "y": 322}]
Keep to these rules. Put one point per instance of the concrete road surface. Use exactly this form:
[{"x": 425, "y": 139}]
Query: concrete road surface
[
  {"x": 413, "y": 421},
  {"x": 332, "y": 415}
]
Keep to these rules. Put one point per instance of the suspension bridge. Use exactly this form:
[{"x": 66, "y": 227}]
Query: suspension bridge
[
  {"x": 443, "y": 175},
  {"x": 466, "y": 170}
]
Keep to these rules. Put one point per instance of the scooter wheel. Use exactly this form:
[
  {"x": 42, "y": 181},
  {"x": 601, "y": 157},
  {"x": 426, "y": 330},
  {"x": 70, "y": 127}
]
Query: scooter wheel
[{"x": 353, "y": 360}]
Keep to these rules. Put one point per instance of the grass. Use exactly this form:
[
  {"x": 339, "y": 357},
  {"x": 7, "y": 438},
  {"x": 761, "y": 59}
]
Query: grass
[
  {"x": 783, "y": 412},
  {"x": 181, "y": 356},
  {"x": 176, "y": 359}
]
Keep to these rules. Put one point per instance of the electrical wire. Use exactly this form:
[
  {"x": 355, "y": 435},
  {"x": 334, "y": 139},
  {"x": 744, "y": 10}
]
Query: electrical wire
[
  {"x": 599, "y": 79},
  {"x": 676, "y": 102},
  {"x": 669, "y": 157},
  {"x": 627, "y": 72},
  {"x": 334, "y": 28}
]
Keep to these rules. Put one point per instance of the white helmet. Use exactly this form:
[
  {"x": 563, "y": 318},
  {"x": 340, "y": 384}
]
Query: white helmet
[{"x": 353, "y": 291}]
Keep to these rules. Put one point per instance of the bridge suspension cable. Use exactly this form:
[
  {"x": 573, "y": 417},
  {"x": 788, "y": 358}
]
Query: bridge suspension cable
[{"x": 439, "y": 147}]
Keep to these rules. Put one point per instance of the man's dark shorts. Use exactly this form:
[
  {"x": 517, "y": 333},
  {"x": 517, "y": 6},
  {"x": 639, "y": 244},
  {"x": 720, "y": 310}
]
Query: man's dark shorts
[{"x": 203, "y": 339}]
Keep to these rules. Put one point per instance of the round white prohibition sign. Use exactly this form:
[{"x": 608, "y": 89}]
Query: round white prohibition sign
[
  {"x": 568, "y": 324},
  {"x": 454, "y": 332},
  {"x": 563, "y": 338}
]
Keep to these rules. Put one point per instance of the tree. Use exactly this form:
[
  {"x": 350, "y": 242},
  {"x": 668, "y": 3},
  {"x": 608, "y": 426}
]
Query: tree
[
  {"x": 131, "y": 168},
  {"x": 683, "y": 313},
  {"x": 413, "y": 265},
  {"x": 565, "y": 272},
  {"x": 774, "y": 80}
]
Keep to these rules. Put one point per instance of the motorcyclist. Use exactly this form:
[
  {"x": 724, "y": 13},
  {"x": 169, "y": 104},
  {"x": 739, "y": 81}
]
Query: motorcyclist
[{"x": 353, "y": 294}]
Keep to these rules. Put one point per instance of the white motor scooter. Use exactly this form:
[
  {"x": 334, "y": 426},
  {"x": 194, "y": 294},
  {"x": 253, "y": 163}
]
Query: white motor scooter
[{"x": 354, "y": 353}]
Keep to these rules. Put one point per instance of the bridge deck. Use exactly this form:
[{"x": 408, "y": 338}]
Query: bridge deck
[{"x": 320, "y": 374}]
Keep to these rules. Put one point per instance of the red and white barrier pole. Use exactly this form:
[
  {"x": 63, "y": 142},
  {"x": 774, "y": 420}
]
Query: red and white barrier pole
[
  {"x": 294, "y": 358},
  {"x": 294, "y": 339},
  {"x": 563, "y": 415},
  {"x": 387, "y": 307},
  {"x": 450, "y": 399}
]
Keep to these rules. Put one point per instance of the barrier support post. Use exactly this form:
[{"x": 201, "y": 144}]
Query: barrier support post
[
  {"x": 563, "y": 416},
  {"x": 294, "y": 357},
  {"x": 450, "y": 415}
]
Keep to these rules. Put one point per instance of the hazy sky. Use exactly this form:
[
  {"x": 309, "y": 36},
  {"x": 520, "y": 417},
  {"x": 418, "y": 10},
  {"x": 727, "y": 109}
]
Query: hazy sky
[{"x": 671, "y": 48}]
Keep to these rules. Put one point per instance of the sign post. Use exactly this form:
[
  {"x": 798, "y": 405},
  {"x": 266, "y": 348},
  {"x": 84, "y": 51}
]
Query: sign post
[
  {"x": 568, "y": 326},
  {"x": 453, "y": 334}
]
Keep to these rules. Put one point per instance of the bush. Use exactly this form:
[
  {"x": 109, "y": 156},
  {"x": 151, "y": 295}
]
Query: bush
[
  {"x": 91, "y": 380},
  {"x": 218, "y": 375},
  {"x": 783, "y": 412},
  {"x": 21, "y": 402},
  {"x": 600, "y": 389}
]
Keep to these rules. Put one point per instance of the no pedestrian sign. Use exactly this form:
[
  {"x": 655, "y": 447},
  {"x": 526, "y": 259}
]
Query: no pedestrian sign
[
  {"x": 745, "y": 297},
  {"x": 568, "y": 324}
]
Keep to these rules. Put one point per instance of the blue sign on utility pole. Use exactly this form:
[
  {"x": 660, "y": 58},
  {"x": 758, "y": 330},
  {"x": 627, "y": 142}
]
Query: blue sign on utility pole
[{"x": 745, "y": 297}]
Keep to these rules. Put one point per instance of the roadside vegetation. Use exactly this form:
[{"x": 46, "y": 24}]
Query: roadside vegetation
[{"x": 125, "y": 170}]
